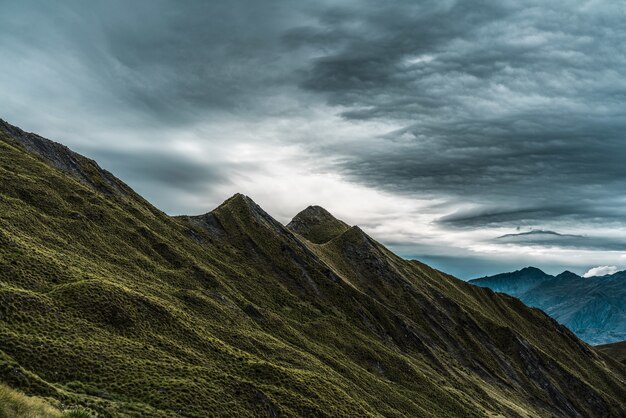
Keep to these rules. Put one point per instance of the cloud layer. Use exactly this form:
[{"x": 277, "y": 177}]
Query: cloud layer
[
  {"x": 439, "y": 126},
  {"x": 601, "y": 271}
]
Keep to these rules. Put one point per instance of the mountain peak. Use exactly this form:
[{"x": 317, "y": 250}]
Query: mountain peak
[
  {"x": 514, "y": 283},
  {"x": 315, "y": 210},
  {"x": 531, "y": 269},
  {"x": 568, "y": 275},
  {"x": 317, "y": 225},
  {"x": 241, "y": 204},
  {"x": 240, "y": 211},
  {"x": 237, "y": 199}
]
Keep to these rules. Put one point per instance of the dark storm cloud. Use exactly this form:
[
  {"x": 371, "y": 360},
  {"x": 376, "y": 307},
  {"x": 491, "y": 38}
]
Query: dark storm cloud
[
  {"x": 554, "y": 239},
  {"x": 516, "y": 102},
  {"x": 538, "y": 233},
  {"x": 495, "y": 216},
  {"x": 572, "y": 210},
  {"x": 168, "y": 61},
  {"x": 498, "y": 100}
]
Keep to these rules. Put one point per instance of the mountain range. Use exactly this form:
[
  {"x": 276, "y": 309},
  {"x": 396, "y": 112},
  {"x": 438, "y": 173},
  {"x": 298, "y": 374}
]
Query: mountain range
[
  {"x": 110, "y": 304},
  {"x": 592, "y": 307}
]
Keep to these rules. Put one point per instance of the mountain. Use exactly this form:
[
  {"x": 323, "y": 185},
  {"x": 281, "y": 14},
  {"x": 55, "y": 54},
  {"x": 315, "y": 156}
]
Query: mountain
[
  {"x": 14, "y": 404},
  {"x": 317, "y": 225},
  {"x": 615, "y": 350},
  {"x": 591, "y": 307},
  {"x": 108, "y": 303},
  {"x": 515, "y": 283}
]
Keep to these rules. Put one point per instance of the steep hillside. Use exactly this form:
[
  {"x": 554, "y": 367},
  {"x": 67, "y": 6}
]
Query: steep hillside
[
  {"x": 14, "y": 404},
  {"x": 592, "y": 307},
  {"x": 108, "y": 303},
  {"x": 615, "y": 350}
]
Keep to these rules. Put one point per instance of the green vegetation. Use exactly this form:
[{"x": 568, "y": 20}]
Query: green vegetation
[
  {"x": 14, "y": 404},
  {"x": 317, "y": 225},
  {"x": 76, "y": 413},
  {"x": 616, "y": 351},
  {"x": 109, "y": 304}
]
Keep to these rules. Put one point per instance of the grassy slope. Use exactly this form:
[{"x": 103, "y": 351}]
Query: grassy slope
[
  {"x": 15, "y": 404},
  {"x": 317, "y": 225},
  {"x": 108, "y": 303},
  {"x": 615, "y": 350}
]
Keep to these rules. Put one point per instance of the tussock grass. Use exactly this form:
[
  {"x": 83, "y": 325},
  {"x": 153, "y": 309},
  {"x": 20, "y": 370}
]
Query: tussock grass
[
  {"x": 14, "y": 404},
  {"x": 107, "y": 303}
]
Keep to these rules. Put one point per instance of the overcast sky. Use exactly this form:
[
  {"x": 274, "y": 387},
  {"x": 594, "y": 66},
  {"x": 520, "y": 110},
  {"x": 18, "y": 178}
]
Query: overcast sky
[{"x": 477, "y": 136}]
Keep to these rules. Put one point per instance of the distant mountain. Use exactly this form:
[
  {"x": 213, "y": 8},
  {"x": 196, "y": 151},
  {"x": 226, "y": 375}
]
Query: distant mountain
[
  {"x": 110, "y": 304},
  {"x": 515, "y": 283},
  {"x": 594, "y": 308}
]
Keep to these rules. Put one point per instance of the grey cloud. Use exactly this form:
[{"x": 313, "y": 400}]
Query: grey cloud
[
  {"x": 165, "y": 168},
  {"x": 550, "y": 239},
  {"x": 495, "y": 216},
  {"x": 521, "y": 102},
  {"x": 574, "y": 211},
  {"x": 539, "y": 233},
  {"x": 153, "y": 71},
  {"x": 167, "y": 61}
]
